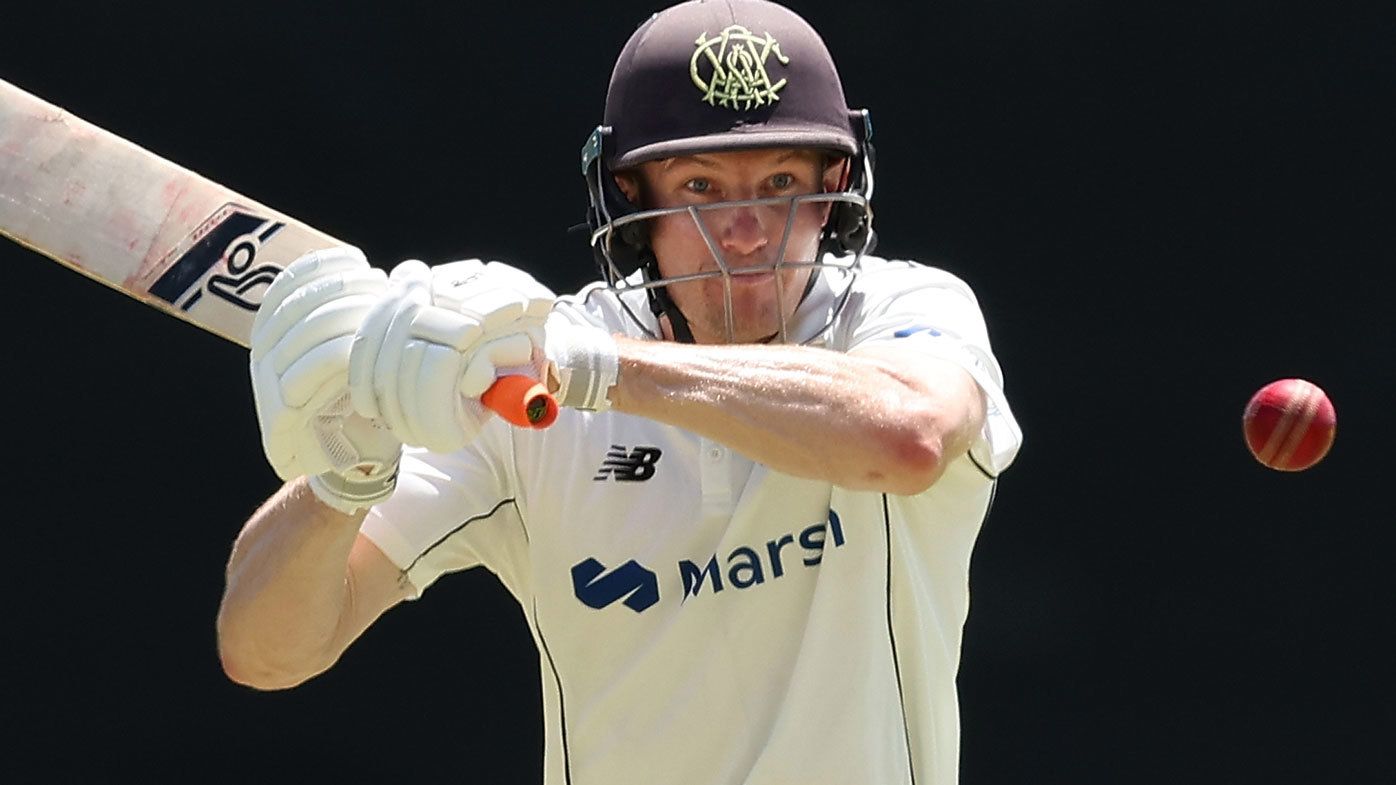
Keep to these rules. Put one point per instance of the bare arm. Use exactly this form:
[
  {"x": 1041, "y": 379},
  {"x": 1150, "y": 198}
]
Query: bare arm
[
  {"x": 302, "y": 584},
  {"x": 868, "y": 420}
]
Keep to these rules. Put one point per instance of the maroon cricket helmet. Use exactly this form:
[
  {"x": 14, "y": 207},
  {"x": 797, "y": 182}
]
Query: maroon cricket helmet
[{"x": 716, "y": 75}]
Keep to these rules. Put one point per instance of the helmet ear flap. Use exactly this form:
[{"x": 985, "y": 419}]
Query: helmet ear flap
[
  {"x": 630, "y": 241},
  {"x": 629, "y": 245},
  {"x": 618, "y": 252},
  {"x": 635, "y": 235},
  {"x": 849, "y": 228}
]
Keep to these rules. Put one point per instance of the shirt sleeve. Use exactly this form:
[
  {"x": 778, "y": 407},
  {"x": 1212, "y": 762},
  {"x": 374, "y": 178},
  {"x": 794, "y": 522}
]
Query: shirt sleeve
[
  {"x": 935, "y": 314},
  {"x": 450, "y": 512}
]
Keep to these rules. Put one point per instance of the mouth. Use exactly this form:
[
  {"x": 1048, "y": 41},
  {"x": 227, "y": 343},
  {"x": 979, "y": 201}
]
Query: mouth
[{"x": 753, "y": 278}]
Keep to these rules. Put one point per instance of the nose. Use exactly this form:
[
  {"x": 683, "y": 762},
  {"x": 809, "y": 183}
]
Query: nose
[{"x": 742, "y": 232}]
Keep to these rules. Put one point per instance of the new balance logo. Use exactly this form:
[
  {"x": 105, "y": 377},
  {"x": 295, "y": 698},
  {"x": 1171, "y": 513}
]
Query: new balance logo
[
  {"x": 635, "y": 466},
  {"x": 632, "y": 581}
]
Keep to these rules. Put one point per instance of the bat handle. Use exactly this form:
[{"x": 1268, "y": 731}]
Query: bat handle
[{"x": 521, "y": 401}]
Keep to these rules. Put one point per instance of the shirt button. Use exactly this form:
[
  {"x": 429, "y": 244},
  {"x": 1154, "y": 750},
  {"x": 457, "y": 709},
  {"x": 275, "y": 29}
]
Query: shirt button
[{"x": 715, "y": 454}]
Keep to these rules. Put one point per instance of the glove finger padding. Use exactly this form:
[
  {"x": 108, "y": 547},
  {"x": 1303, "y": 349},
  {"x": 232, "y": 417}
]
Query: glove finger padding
[
  {"x": 492, "y": 293},
  {"x": 420, "y": 365},
  {"x": 419, "y": 382},
  {"x": 388, "y": 370},
  {"x": 322, "y": 366},
  {"x": 409, "y": 286},
  {"x": 431, "y": 405},
  {"x": 404, "y": 398},
  {"x": 284, "y": 302},
  {"x": 300, "y": 350},
  {"x": 336, "y": 310},
  {"x": 437, "y": 410},
  {"x": 485, "y": 363}
]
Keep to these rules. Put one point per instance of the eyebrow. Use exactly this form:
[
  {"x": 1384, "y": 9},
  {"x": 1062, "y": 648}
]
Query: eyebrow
[
  {"x": 706, "y": 162},
  {"x": 793, "y": 154},
  {"x": 697, "y": 160}
]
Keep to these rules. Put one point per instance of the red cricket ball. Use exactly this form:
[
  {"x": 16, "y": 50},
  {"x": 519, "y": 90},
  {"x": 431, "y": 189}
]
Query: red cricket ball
[{"x": 1289, "y": 424}]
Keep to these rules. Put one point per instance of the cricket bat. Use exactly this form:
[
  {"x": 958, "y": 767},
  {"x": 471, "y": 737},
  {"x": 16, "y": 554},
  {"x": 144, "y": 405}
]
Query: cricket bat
[{"x": 168, "y": 237}]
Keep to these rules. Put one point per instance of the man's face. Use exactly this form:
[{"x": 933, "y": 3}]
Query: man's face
[{"x": 747, "y": 237}]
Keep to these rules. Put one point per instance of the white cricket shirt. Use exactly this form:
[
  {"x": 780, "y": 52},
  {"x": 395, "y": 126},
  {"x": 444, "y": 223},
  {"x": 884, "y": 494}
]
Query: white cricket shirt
[{"x": 704, "y": 619}]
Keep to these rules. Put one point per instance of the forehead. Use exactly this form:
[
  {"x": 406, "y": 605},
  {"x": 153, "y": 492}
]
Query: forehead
[{"x": 736, "y": 161}]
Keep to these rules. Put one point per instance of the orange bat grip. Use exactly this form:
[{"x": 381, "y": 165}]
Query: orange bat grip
[{"x": 521, "y": 401}]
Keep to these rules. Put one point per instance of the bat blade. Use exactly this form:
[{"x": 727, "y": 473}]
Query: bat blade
[
  {"x": 148, "y": 227},
  {"x": 138, "y": 222}
]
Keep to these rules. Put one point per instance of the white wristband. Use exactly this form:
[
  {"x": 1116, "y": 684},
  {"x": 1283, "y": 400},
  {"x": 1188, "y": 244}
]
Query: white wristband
[{"x": 586, "y": 365}]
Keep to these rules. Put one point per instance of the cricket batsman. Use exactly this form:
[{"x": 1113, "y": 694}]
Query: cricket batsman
[{"x": 743, "y": 547}]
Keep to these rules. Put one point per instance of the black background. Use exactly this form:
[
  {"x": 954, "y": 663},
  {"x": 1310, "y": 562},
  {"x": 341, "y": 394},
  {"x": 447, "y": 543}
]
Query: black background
[{"x": 1162, "y": 206}]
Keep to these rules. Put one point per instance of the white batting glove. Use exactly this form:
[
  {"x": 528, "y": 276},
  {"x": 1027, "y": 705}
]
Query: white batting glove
[
  {"x": 301, "y": 339},
  {"x": 578, "y": 359},
  {"x": 431, "y": 347}
]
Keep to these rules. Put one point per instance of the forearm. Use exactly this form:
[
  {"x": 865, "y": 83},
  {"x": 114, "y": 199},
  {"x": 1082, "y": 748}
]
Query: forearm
[
  {"x": 859, "y": 422},
  {"x": 288, "y": 587}
]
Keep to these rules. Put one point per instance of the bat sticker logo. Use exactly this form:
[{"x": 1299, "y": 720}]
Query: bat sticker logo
[{"x": 233, "y": 236}]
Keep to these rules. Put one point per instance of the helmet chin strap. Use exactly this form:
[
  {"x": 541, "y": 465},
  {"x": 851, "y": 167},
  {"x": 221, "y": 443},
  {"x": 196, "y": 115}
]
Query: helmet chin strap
[{"x": 661, "y": 304}]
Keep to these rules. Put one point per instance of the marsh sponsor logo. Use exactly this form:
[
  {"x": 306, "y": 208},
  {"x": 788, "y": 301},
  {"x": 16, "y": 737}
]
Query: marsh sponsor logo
[
  {"x": 746, "y": 566},
  {"x": 741, "y": 568},
  {"x": 632, "y": 583}
]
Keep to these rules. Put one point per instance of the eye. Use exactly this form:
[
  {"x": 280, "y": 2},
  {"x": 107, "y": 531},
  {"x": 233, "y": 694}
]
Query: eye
[
  {"x": 697, "y": 185},
  {"x": 782, "y": 181}
]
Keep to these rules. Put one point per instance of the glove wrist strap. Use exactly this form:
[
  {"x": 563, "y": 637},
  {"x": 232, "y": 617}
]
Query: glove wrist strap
[{"x": 350, "y": 495}]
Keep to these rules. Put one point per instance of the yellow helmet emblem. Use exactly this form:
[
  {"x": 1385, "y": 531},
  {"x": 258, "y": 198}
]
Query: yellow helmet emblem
[{"x": 730, "y": 68}]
